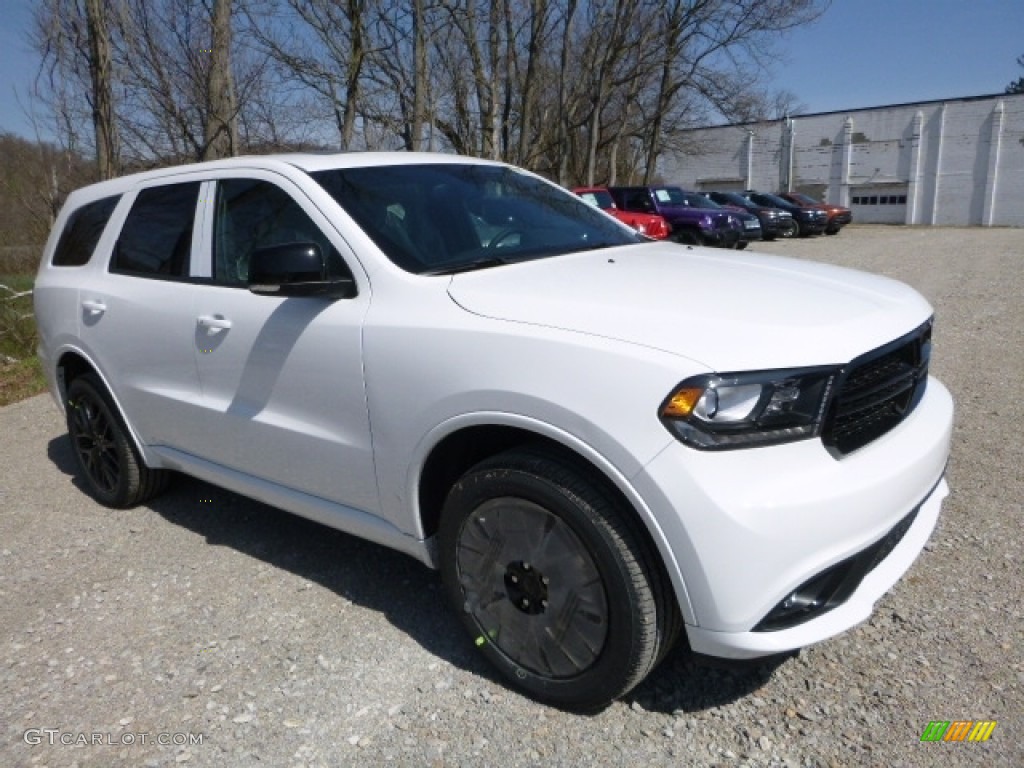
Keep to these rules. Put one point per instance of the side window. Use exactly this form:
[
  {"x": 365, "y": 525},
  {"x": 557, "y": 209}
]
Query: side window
[
  {"x": 156, "y": 239},
  {"x": 253, "y": 214},
  {"x": 82, "y": 232}
]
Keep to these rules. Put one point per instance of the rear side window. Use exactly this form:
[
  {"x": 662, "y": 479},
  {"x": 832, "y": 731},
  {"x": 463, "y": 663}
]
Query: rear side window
[
  {"x": 82, "y": 232},
  {"x": 156, "y": 239}
]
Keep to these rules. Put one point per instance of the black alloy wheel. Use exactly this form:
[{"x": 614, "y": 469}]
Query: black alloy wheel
[{"x": 111, "y": 468}]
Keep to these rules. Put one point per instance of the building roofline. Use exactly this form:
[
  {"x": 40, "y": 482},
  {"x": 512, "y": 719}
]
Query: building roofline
[{"x": 863, "y": 109}]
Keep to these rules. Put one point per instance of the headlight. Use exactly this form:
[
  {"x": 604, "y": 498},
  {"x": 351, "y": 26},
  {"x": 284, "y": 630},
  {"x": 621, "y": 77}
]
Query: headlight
[{"x": 740, "y": 410}]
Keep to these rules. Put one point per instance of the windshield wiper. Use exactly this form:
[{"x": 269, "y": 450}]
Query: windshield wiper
[{"x": 469, "y": 266}]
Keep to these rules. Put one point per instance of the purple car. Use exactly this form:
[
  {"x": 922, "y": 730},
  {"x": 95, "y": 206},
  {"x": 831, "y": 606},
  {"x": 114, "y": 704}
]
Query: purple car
[{"x": 690, "y": 224}]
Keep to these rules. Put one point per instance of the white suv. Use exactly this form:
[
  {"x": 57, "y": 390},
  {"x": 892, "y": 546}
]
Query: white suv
[{"x": 598, "y": 439}]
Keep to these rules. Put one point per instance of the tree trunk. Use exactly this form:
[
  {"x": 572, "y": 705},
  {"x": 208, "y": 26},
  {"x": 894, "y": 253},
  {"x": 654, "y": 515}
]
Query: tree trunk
[
  {"x": 220, "y": 131},
  {"x": 102, "y": 89},
  {"x": 537, "y": 22},
  {"x": 419, "y": 94},
  {"x": 562, "y": 141}
]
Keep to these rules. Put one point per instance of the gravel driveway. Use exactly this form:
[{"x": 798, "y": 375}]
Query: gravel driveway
[{"x": 242, "y": 636}]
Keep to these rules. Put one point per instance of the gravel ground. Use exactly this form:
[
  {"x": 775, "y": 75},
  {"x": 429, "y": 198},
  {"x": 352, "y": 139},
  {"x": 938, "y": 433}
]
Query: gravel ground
[{"x": 206, "y": 617}]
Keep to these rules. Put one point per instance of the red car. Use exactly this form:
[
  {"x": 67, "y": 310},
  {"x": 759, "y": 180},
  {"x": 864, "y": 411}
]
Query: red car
[
  {"x": 649, "y": 224},
  {"x": 838, "y": 216}
]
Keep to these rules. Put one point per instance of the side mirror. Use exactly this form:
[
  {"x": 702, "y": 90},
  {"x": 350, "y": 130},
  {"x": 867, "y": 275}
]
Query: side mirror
[{"x": 295, "y": 269}]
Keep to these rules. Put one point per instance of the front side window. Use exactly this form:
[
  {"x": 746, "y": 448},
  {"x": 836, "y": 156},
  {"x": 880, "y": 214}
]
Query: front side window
[
  {"x": 443, "y": 218},
  {"x": 254, "y": 214},
  {"x": 82, "y": 232},
  {"x": 156, "y": 240}
]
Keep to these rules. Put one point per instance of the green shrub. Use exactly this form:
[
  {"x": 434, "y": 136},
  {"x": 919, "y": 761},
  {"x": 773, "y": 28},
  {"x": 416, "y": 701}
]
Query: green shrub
[{"x": 17, "y": 323}]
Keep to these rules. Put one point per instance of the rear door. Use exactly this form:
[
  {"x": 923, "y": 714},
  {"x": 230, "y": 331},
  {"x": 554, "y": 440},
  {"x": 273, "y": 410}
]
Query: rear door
[{"x": 136, "y": 314}]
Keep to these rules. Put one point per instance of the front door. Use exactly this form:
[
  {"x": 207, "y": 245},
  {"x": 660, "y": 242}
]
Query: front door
[{"x": 281, "y": 379}]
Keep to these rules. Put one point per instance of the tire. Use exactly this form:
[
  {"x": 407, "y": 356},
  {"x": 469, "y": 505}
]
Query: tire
[
  {"x": 551, "y": 577},
  {"x": 108, "y": 463},
  {"x": 791, "y": 231},
  {"x": 832, "y": 231},
  {"x": 742, "y": 244},
  {"x": 687, "y": 237}
]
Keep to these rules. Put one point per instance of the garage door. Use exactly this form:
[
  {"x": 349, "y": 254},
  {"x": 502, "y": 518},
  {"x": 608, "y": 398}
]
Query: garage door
[{"x": 879, "y": 204}]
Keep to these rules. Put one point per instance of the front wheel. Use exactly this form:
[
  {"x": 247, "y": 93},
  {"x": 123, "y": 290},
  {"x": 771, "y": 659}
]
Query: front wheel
[
  {"x": 789, "y": 229},
  {"x": 554, "y": 582},
  {"x": 687, "y": 237}
]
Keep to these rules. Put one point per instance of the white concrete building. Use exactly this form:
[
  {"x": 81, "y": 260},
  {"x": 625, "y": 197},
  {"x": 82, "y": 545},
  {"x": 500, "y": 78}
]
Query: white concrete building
[{"x": 955, "y": 162}]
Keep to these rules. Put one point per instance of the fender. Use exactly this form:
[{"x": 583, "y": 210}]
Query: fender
[{"x": 574, "y": 444}]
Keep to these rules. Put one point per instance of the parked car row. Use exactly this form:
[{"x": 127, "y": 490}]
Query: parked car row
[{"x": 722, "y": 219}]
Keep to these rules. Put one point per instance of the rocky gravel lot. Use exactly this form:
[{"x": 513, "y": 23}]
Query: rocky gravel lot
[{"x": 242, "y": 636}]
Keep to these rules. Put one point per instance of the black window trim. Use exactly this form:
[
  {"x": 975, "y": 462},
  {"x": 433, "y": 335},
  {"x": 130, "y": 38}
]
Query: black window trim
[{"x": 196, "y": 220}]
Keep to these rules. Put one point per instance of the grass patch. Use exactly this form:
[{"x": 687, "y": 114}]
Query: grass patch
[
  {"x": 21, "y": 379},
  {"x": 20, "y": 373}
]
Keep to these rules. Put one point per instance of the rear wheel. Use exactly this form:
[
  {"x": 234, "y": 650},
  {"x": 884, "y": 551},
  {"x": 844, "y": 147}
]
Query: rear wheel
[
  {"x": 554, "y": 582},
  {"x": 111, "y": 468}
]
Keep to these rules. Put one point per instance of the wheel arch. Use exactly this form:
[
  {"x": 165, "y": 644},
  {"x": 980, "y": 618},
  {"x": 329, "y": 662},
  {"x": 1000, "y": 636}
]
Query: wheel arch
[
  {"x": 72, "y": 363},
  {"x": 464, "y": 445}
]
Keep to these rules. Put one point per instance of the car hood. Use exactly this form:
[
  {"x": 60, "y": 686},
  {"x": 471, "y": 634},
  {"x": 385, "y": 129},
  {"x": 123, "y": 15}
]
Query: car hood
[{"x": 724, "y": 310}]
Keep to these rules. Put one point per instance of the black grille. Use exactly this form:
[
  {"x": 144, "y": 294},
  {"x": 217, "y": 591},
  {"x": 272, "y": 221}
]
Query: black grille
[{"x": 877, "y": 391}]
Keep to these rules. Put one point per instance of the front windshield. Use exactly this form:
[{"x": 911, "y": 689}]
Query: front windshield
[
  {"x": 676, "y": 196},
  {"x": 806, "y": 200},
  {"x": 734, "y": 198},
  {"x": 670, "y": 196},
  {"x": 763, "y": 198},
  {"x": 443, "y": 218},
  {"x": 599, "y": 198},
  {"x": 699, "y": 201}
]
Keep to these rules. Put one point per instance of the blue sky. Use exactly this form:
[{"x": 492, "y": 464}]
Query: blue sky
[
  {"x": 861, "y": 53},
  {"x": 866, "y": 53}
]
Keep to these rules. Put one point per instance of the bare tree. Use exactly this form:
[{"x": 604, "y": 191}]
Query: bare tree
[
  {"x": 322, "y": 47},
  {"x": 584, "y": 92},
  {"x": 100, "y": 70},
  {"x": 75, "y": 82},
  {"x": 220, "y": 127}
]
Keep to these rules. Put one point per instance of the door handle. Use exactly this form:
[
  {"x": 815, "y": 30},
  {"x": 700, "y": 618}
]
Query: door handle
[
  {"x": 214, "y": 322},
  {"x": 94, "y": 307}
]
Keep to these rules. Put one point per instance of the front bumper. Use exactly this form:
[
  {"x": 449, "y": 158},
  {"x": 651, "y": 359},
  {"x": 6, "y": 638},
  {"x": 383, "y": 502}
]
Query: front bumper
[
  {"x": 815, "y": 226},
  {"x": 775, "y": 227},
  {"x": 751, "y": 234},
  {"x": 746, "y": 528}
]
